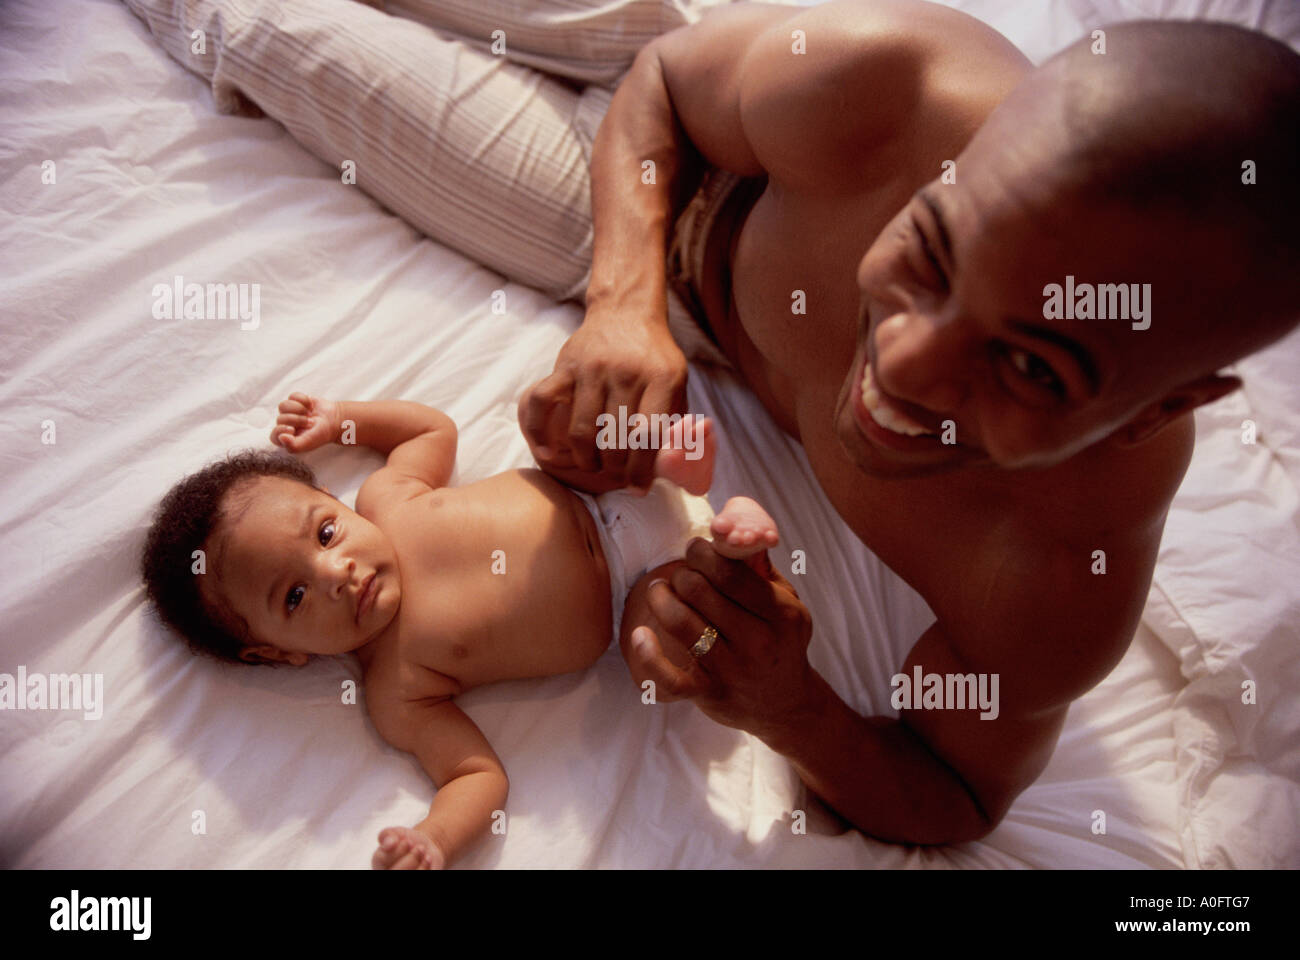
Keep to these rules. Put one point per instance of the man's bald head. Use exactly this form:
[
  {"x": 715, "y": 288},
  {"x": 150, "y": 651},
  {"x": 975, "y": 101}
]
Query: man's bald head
[{"x": 1173, "y": 121}]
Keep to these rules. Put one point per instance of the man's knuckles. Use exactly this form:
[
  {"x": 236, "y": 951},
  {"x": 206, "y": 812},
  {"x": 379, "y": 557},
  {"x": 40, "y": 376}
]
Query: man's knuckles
[
  {"x": 691, "y": 586},
  {"x": 731, "y": 577}
]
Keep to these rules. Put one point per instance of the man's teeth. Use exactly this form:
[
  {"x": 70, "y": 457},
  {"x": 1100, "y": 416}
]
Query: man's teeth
[{"x": 885, "y": 414}]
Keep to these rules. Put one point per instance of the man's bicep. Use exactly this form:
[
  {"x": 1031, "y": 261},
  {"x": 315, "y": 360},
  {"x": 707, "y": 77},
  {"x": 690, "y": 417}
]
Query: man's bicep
[{"x": 702, "y": 65}]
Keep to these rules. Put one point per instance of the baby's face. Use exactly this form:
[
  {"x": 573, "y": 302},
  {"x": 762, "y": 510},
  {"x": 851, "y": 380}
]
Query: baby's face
[{"x": 297, "y": 564}]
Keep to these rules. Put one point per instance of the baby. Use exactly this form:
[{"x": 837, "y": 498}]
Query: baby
[{"x": 436, "y": 589}]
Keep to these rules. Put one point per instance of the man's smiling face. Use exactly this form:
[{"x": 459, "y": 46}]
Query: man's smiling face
[
  {"x": 953, "y": 334},
  {"x": 307, "y": 575}
]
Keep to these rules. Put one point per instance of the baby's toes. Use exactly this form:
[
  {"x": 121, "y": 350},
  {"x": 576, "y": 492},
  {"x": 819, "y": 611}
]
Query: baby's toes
[{"x": 741, "y": 536}]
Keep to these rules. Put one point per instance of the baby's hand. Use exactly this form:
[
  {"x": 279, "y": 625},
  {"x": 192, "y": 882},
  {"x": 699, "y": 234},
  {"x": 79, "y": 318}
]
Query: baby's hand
[
  {"x": 404, "y": 848},
  {"x": 305, "y": 423}
]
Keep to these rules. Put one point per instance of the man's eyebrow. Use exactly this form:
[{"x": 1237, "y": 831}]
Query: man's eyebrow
[
  {"x": 1075, "y": 349},
  {"x": 302, "y": 532},
  {"x": 940, "y": 226}
]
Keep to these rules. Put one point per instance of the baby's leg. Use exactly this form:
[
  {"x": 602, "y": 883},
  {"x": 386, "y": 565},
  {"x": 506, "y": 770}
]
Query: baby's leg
[{"x": 686, "y": 456}]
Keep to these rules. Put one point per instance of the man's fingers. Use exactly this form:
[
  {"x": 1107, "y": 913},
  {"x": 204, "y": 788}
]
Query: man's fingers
[
  {"x": 728, "y": 618},
  {"x": 658, "y": 398},
  {"x": 671, "y": 682},
  {"x": 536, "y": 405},
  {"x": 614, "y": 460},
  {"x": 588, "y": 403},
  {"x": 734, "y": 579}
]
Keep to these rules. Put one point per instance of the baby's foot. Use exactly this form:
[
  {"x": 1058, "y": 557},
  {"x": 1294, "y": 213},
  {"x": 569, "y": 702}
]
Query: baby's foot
[
  {"x": 742, "y": 529},
  {"x": 687, "y": 454}
]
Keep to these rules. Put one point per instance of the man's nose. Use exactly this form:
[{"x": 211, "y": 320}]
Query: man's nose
[{"x": 920, "y": 359}]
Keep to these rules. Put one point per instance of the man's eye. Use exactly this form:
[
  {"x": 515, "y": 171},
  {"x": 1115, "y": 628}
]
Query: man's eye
[
  {"x": 293, "y": 598},
  {"x": 932, "y": 271},
  {"x": 1034, "y": 369},
  {"x": 326, "y": 533}
]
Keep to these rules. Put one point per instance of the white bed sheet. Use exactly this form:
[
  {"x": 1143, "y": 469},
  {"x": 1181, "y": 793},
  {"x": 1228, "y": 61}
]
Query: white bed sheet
[{"x": 152, "y": 183}]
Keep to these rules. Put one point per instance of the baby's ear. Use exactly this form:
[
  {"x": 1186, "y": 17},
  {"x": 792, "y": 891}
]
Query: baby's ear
[{"x": 266, "y": 653}]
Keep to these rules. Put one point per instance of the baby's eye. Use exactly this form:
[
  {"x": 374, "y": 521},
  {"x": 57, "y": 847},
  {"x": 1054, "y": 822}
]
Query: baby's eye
[
  {"x": 326, "y": 533},
  {"x": 293, "y": 598},
  {"x": 1034, "y": 369}
]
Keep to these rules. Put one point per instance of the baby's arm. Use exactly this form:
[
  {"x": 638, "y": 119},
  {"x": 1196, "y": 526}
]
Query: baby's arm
[
  {"x": 420, "y": 441},
  {"x": 471, "y": 783}
]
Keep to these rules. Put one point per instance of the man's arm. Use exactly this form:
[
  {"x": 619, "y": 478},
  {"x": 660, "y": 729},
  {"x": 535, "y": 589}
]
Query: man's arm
[
  {"x": 623, "y": 354},
  {"x": 942, "y": 776},
  {"x": 1037, "y": 617},
  {"x": 678, "y": 106}
]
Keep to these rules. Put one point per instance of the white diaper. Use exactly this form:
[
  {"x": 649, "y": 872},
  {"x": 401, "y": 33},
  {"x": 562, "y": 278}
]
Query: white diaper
[{"x": 639, "y": 533}]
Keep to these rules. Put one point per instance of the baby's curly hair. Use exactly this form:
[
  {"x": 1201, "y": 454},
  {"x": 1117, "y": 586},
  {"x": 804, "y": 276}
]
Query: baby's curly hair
[{"x": 185, "y": 518}]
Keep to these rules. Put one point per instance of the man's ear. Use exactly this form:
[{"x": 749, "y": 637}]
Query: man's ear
[
  {"x": 1178, "y": 401},
  {"x": 265, "y": 653}
]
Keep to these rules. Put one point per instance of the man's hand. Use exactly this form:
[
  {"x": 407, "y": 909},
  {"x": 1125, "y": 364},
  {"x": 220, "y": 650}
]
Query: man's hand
[
  {"x": 404, "y": 848},
  {"x": 305, "y": 423},
  {"x": 610, "y": 362},
  {"x": 756, "y": 677}
]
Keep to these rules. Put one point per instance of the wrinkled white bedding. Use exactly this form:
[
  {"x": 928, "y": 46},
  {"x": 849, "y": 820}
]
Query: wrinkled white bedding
[{"x": 152, "y": 183}]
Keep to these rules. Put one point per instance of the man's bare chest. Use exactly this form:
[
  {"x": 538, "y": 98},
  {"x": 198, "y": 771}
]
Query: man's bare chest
[{"x": 794, "y": 304}]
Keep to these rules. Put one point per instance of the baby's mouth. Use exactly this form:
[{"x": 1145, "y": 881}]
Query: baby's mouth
[
  {"x": 365, "y": 599},
  {"x": 885, "y": 413}
]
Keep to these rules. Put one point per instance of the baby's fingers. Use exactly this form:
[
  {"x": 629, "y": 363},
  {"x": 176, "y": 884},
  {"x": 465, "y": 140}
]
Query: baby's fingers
[{"x": 413, "y": 860}]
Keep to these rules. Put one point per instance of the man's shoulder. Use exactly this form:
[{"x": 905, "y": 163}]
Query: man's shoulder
[
  {"x": 1112, "y": 487},
  {"x": 849, "y": 79},
  {"x": 1061, "y": 583}
]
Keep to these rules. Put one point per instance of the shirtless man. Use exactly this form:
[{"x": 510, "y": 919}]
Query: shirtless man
[{"x": 1072, "y": 435}]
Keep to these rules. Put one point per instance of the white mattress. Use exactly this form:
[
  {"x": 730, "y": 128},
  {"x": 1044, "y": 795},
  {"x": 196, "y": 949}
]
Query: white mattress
[{"x": 152, "y": 183}]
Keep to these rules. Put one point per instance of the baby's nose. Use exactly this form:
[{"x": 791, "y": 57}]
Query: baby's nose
[{"x": 341, "y": 575}]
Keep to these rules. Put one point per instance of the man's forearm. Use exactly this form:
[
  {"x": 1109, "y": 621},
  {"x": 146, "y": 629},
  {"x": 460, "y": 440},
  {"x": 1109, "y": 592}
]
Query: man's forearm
[
  {"x": 383, "y": 424},
  {"x": 877, "y": 774},
  {"x": 631, "y": 218}
]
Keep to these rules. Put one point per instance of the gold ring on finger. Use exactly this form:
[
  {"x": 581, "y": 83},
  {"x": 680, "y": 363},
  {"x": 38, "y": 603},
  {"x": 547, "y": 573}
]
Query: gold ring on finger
[{"x": 703, "y": 645}]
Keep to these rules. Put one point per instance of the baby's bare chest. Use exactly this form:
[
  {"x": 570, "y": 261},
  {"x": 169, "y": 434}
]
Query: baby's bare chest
[{"x": 496, "y": 584}]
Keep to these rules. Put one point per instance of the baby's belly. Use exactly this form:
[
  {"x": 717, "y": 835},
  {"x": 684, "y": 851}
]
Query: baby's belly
[{"x": 536, "y": 603}]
